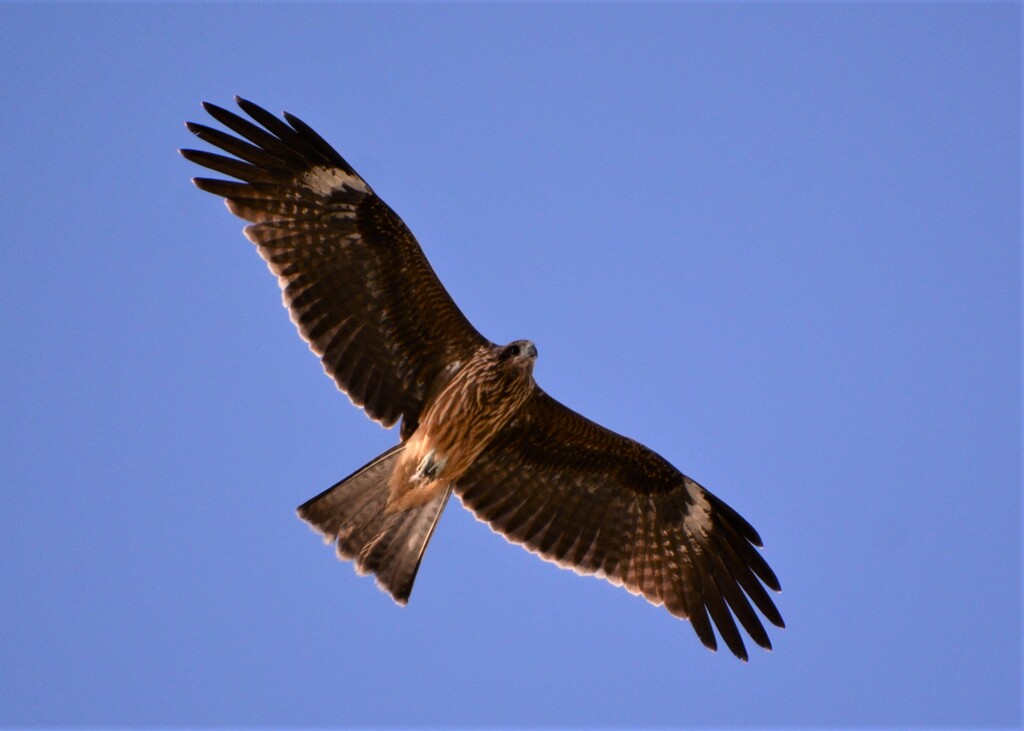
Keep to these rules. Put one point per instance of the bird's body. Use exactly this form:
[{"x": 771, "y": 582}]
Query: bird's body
[
  {"x": 459, "y": 421},
  {"x": 473, "y": 420}
]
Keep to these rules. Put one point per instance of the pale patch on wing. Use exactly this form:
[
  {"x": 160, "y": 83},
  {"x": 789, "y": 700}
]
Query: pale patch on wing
[
  {"x": 327, "y": 180},
  {"x": 698, "y": 516}
]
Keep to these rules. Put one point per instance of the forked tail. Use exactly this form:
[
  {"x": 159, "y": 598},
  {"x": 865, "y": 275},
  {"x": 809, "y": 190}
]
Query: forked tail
[{"x": 387, "y": 544}]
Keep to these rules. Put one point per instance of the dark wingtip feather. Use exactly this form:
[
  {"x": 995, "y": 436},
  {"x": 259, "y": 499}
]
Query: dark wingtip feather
[
  {"x": 214, "y": 109},
  {"x": 253, "y": 109},
  {"x": 721, "y": 616},
  {"x": 222, "y": 115},
  {"x": 202, "y": 131},
  {"x": 223, "y": 188},
  {"x": 189, "y": 154},
  {"x": 245, "y": 105},
  {"x": 737, "y": 521},
  {"x": 769, "y": 578},
  {"x": 314, "y": 138},
  {"x": 312, "y": 154},
  {"x": 701, "y": 624}
]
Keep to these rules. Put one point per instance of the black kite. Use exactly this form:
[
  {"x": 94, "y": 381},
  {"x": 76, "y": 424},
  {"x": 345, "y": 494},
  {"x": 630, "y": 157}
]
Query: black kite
[{"x": 364, "y": 297}]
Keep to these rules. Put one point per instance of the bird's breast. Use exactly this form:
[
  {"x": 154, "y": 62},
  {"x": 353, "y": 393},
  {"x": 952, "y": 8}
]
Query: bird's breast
[{"x": 455, "y": 427}]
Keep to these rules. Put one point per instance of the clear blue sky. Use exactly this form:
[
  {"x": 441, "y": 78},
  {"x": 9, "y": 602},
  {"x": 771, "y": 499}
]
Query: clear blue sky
[{"x": 780, "y": 244}]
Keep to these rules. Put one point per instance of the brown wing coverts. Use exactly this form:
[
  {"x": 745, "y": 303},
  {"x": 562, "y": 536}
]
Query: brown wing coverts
[
  {"x": 592, "y": 500},
  {"x": 353, "y": 277}
]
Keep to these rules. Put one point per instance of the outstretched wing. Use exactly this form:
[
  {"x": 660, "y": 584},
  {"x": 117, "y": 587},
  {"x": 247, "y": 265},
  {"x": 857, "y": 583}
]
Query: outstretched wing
[
  {"x": 599, "y": 503},
  {"x": 353, "y": 277}
]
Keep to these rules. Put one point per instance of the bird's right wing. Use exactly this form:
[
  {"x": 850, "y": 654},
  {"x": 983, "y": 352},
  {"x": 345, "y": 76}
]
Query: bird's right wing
[
  {"x": 353, "y": 277},
  {"x": 591, "y": 500}
]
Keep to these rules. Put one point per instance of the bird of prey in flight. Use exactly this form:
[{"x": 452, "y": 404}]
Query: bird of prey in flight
[{"x": 473, "y": 420}]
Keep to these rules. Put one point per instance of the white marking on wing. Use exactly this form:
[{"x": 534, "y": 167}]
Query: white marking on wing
[
  {"x": 698, "y": 517},
  {"x": 326, "y": 180}
]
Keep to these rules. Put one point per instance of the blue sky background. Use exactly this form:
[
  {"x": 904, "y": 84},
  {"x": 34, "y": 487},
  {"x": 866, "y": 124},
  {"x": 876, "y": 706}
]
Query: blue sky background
[{"x": 780, "y": 244}]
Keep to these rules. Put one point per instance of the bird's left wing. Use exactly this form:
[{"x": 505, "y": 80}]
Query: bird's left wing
[
  {"x": 353, "y": 277},
  {"x": 589, "y": 499}
]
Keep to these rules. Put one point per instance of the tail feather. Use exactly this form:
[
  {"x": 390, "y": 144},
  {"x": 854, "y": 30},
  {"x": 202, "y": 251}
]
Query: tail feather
[
  {"x": 347, "y": 511},
  {"x": 389, "y": 544},
  {"x": 395, "y": 554}
]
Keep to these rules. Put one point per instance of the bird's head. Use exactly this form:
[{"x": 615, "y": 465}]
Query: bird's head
[{"x": 521, "y": 353}]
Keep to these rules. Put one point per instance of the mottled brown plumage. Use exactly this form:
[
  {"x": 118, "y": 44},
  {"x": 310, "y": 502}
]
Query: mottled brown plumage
[
  {"x": 460, "y": 420},
  {"x": 364, "y": 297}
]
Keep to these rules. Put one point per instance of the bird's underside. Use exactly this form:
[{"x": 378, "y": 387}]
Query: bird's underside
[{"x": 473, "y": 420}]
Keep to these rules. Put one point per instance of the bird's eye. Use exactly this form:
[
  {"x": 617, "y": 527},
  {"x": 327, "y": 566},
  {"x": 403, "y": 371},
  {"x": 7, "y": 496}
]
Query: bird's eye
[{"x": 509, "y": 351}]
